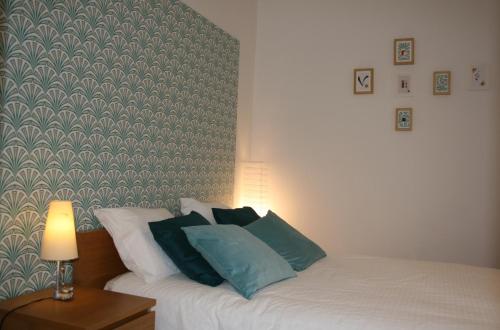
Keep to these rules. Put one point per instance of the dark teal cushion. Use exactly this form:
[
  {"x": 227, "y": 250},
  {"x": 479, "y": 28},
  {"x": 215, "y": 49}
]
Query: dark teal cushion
[
  {"x": 241, "y": 216},
  {"x": 169, "y": 235},
  {"x": 239, "y": 257},
  {"x": 298, "y": 250}
]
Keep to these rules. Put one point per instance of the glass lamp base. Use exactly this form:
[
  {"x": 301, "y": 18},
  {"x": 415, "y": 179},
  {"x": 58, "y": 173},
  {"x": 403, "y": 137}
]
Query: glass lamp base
[
  {"x": 63, "y": 291},
  {"x": 63, "y": 294}
]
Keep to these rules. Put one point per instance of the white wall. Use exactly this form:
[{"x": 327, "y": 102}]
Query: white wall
[
  {"x": 340, "y": 171},
  {"x": 239, "y": 19}
]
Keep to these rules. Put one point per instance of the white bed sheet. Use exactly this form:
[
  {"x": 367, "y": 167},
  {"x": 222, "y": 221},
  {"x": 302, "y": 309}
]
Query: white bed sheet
[{"x": 353, "y": 292}]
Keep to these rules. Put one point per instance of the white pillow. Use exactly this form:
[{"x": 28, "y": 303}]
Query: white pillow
[
  {"x": 134, "y": 241},
  {"x": 205, "y": 209}
]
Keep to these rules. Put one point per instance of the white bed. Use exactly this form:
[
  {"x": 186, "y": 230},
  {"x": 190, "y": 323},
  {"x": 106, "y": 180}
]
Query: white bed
[{"x": 354, "y": 292}]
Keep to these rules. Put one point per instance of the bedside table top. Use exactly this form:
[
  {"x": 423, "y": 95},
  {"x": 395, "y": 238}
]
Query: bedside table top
[{"x": 89, "y": 309}]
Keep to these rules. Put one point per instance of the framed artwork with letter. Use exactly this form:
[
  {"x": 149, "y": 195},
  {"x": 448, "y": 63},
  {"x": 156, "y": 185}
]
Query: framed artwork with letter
[{"x": 363, "y": 81}]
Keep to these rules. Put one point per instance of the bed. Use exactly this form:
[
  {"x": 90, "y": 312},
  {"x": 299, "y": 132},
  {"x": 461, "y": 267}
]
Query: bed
[{"x": 337, "y": 292}]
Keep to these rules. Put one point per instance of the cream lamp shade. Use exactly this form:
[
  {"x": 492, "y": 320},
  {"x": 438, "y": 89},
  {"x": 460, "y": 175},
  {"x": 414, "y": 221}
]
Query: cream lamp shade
[
  {"x": 59, "y": 237},
  {"x": 255, "y": 190}
]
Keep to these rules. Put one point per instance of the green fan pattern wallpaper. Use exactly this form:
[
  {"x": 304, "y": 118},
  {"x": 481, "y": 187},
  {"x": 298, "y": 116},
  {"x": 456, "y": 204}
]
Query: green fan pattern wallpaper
[{"x": 107, "y": 103}]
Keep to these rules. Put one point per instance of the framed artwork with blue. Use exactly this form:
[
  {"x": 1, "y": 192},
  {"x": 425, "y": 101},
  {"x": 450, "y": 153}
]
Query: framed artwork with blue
[
  {"x": 404, "y": 119},
  {"x": 404, "y": 51},
  {"x": 442, "y": 83}
]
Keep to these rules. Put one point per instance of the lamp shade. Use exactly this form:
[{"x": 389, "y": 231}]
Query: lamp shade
[
  {"x": 59, "y": 237},
  {"x": 255, "y": 186}
]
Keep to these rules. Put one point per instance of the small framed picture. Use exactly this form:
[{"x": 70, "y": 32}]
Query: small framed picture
[
  {"x": 478, "y": 77},
  {"x": 442, "y": 83},
  {"x": 404, "y": 51},
  {"x": 404, "y": 85},
  {"x": 404, "y": 119},
  {"x": 363, "y": 81}
]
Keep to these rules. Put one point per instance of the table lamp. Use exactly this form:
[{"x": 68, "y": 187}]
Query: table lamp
[
  {"x": 254, "y": 186},
  {"x": 59, "y": 243}
]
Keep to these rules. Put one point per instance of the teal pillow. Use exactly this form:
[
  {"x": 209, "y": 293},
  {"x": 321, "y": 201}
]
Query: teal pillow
[
  {"x": 241, "y": 216},
  {"x": 242, "y": 259},
  {"x": 170, "y": 237},
  {"x": 298, "y": 250}
]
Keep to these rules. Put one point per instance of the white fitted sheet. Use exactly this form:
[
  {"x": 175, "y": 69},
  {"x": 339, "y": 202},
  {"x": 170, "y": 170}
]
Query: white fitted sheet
[{"x": 354, "y": 292}]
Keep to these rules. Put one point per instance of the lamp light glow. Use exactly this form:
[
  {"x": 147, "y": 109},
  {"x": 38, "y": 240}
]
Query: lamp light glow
[
  {"x": 59, "y": 243},
  {"x": 254, "y": 188},
  {"x": 59, "y": 237}
]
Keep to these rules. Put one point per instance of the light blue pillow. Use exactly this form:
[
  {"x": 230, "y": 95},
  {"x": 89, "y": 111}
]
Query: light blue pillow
[
  {"x": 298, "y": 250},
  {"x": 241, "y": 258}
]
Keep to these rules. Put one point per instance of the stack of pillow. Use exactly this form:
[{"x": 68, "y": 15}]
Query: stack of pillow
[{"x": 210, "y": 243}]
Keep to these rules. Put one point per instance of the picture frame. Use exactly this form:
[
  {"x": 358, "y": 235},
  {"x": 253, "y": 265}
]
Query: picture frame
[
  {"x": 363, "y": 81},
  {"x": 441, "y": 83},
  {"x": 404, "y": 51},
  {"x": 404, "y": 119},
  {"x": 478, "y": 77},
  {"x": 404, "y": 85}
]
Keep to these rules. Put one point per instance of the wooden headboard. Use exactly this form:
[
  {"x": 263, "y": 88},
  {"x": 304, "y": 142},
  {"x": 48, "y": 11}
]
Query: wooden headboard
[{"x": 98, "y": 260}]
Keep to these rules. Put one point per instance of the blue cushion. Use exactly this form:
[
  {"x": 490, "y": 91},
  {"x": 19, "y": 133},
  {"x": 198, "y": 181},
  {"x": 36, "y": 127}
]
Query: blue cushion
[
  {"x": 242, "y": 259},
  {"x": 298, "y": 250}
]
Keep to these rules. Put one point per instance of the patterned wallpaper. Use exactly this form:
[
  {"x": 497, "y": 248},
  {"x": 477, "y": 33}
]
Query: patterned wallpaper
[{"x": 107, "y": 103}]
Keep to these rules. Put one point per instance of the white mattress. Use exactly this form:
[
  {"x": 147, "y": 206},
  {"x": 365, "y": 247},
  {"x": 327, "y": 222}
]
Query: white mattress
[{"x": 335, "y": 293}]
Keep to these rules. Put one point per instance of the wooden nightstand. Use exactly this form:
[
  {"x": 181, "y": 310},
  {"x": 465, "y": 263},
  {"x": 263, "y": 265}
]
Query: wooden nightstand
[{"x": 90, "y": 309}]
